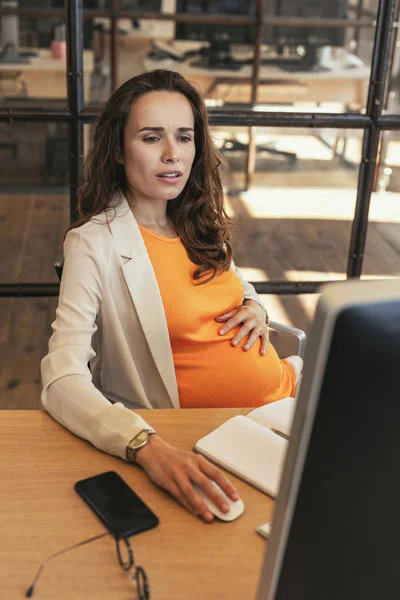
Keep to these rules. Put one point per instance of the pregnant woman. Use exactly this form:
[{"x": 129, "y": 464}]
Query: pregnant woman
[{"x": 150, "y": 297}]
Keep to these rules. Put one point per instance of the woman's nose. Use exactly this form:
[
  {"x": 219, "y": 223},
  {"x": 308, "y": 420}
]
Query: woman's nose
[{"x": 170, "y": 153}]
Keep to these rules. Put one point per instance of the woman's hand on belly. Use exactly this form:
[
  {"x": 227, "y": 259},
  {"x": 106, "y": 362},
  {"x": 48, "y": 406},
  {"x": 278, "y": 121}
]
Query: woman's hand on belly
[
  {"x": 254, "y": 321},
  {"x": 176, "y": 470}
]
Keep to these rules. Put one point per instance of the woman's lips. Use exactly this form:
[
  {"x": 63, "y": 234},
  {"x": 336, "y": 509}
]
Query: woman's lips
[{"x": 169, "y": 177}]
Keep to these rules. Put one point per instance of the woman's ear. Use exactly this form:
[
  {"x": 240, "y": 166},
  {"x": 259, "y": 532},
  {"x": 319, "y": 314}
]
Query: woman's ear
[{"x": 120, "y": 158}]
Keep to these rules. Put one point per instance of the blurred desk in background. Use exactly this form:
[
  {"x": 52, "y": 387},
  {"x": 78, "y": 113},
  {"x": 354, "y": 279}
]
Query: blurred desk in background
[
  {"x": 344, "y": 85},
  {"x": 45, "y": 77}
]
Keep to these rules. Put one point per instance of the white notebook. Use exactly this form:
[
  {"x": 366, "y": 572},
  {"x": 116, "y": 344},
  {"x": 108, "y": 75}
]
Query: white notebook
[{"x": 248, "y": 448}]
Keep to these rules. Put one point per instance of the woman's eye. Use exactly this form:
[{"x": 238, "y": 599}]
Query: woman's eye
[
  {"x": 151, "y": 139},
  {"x": 185, "y": 138}
]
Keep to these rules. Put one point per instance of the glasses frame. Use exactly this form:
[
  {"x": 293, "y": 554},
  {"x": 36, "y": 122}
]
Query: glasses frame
[{"x": 137, "y": 577}]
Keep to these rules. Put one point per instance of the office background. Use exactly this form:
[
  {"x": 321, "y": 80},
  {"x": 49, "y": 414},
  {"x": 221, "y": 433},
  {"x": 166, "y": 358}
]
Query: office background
[{"x": 292, "y": 108}]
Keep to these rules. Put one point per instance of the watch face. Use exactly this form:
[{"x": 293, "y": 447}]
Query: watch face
[{"x": 140, "y": 439}]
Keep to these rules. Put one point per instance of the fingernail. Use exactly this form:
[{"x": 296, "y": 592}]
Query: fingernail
[
  {"x": 263, "y": 352},
  {"x": 225, "y": 507},
  {"x": 235, "y": 496},
  {"x": 246, "y": 347},
  {"x": 234, "y": 342},
  {"x": 222, "y": 331},
  {"x": 209, "y": 516}
]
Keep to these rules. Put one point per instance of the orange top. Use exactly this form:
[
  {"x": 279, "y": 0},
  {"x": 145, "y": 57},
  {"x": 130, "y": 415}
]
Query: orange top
[{"x": 210, "y": 372}]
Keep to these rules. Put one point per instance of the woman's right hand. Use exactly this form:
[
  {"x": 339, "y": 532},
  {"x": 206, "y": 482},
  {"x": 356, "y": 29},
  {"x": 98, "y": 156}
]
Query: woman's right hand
[{"x": 176, "y": 470}]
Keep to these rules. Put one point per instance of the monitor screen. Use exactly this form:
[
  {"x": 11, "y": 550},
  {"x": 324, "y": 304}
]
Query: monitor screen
[
  {"x": 302, "y": 42},
  {"x": 335, "y": 532},
  {"x": 273, "y": 35},
  {"x": 306, "y": 36},
  {"x": 143, "y": 5},
  {"x": 237, "y": 34}
]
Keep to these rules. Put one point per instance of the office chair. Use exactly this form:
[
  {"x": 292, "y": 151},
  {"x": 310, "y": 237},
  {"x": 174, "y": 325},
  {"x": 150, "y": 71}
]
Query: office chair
[{"x": 288, "y": 329}]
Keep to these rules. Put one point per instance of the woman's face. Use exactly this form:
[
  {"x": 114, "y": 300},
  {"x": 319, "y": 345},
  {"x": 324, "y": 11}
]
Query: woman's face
[{"x": 159, "y": 145}]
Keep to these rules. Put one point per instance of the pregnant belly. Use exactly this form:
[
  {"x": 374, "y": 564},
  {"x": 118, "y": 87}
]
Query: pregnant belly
[{"x": 214, "y": 374}]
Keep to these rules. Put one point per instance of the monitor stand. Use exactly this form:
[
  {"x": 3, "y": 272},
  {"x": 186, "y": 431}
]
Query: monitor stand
[{"x": 217, "y": 56}]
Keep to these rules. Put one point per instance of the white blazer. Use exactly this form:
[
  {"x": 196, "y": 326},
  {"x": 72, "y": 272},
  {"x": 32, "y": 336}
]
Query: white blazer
[{"x": 110, "y": 313}]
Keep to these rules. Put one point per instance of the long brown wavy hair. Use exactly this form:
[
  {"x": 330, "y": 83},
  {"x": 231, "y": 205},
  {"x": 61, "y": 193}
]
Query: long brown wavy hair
[{"x": 197, "y": 214}]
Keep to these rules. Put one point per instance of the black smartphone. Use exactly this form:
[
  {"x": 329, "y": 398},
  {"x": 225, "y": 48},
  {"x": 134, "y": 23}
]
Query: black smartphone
[{"x": 116, "y": 504}]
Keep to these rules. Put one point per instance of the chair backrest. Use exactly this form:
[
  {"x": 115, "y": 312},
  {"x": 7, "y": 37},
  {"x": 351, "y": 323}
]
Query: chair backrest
[{"x": 59, "y": 268}]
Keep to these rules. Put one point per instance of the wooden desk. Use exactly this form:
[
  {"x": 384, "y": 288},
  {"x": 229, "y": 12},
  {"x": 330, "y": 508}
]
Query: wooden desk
[
  {"x": 45, "y": 77},
  {"x": 41, "y": 513},
  {"x": 347, "y": 86}
]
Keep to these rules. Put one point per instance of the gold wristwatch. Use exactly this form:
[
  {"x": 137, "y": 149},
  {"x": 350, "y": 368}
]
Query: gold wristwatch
[{"x": 137, "y": 442}]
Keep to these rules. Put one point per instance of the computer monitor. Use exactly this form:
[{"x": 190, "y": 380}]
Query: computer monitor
[
  {"x": 303, "y": 42},
  {"x": 315, "y": 36},
  {"x": 299, "y": 43},
  {"x": 218, "y": 54},
  {"x": 335, "y": 532}
]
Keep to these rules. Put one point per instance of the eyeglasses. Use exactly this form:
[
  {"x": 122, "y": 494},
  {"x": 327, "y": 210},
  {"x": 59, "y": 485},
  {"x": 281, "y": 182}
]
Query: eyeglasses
[{"x": 137, "y": 575}]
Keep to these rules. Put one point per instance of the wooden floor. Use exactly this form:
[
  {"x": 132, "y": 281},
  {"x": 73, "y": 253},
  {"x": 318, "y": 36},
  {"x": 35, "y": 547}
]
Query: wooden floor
[{"x": 282, "y": 247}]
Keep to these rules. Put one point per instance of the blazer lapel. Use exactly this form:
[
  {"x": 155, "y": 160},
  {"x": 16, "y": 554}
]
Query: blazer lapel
[{"x": 143, "y": 288}]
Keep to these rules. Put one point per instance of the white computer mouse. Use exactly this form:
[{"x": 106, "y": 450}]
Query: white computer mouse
[{"x": 236, "y": 506}]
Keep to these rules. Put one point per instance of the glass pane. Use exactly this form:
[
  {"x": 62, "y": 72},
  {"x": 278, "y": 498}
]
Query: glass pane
[
  {"x": 148, "y": 44},
  {"x": 332, "y": 84},
  {"x": 24, "y": 333},
  {"x": 96, "y": 56},
  {"x": 36, "y": 70},
  {"x": 33, "y": 63},
  {"x": 392, "y": 105},
  {"x": 138, "y": 41},
  {"x": 33, "y": 154},
  {"x": 314, "y": 64},
  {"x": 32, "y": 227},
  {"x": 294, "y": 223},
  {"x": 301, "y": 67},
  {"x": 382, "y": 252}
]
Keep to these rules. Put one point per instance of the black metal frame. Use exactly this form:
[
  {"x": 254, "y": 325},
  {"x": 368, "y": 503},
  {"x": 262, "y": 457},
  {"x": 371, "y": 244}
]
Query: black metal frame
[{"x": 372, "y": 122}]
